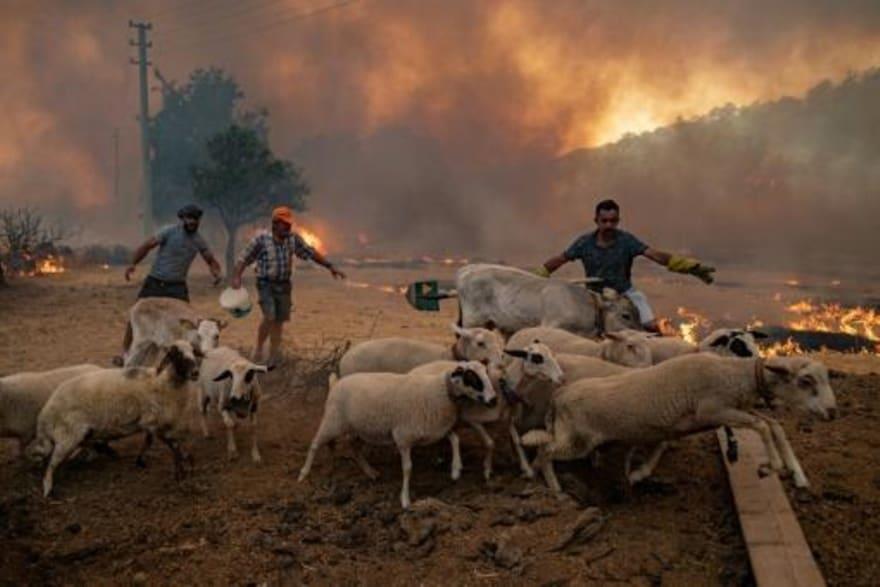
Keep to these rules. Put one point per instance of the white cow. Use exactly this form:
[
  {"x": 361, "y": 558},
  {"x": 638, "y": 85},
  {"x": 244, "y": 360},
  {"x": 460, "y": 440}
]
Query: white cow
[
  {"x": 158, "y": 322},
  {"x": 511, "y": 299}
]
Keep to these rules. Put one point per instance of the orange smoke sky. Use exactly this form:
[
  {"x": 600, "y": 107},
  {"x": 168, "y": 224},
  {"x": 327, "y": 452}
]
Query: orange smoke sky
[{"x": 488, "y": 83}]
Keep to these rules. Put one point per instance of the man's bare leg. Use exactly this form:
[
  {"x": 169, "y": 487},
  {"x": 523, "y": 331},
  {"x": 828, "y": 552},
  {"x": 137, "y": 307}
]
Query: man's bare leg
[
  {"x": 275, "y": 331},
  {"x": 262, "y": 335}
]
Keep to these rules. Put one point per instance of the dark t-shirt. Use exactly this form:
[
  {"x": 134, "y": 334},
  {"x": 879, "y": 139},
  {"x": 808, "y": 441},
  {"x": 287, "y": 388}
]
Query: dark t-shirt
[{"x": 612, "y": 263}]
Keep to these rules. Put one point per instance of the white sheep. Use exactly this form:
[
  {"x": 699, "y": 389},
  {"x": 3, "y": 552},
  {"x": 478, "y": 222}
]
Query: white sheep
[
  {"x": 684, "y": 395},
  {"x": 23, "y": 395},
  {"x": 158, "y": 322},
  {"x": 533, "y": 367},
  {"x": 401, "y": 355},
  {"x": 726, "y": 342},
  {"x": 114, "y": 403},
  {"x": 403, "y": 409},
  {"x": 624, "y": 348},
  {"x": 231, "y": 382}
]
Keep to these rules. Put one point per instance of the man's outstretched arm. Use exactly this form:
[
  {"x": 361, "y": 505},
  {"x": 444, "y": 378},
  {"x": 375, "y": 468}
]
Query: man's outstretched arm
[
  {"x": 679, "y": 264},
  {"x": 139, "y": 254},
  {"x": 551, "y": 265},
  {"x": 324, "y": 262},
  {"x": 213, "y": 265}
]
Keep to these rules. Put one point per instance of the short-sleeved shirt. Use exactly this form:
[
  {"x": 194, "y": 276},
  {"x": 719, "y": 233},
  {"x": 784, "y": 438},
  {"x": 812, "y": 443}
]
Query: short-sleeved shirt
[
  {"x": 612, "y": 263},
  {"x": 274, "y": 258},
  {"x": 177, "y": 249}
]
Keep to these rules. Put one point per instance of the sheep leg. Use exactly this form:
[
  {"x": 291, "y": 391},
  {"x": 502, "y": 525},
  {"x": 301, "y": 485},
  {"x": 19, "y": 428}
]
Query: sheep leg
[
  {"x": 545, "y": 463},
  {"x": 527, "y": 470},
  {"x": 179, "y": 456},
  {"x": 791, "y": 461},
  {"x": 490, "y": 448},
  {"x": 255, "y": 450},
  {"x": 148, "y": 442},
  {"x": 326, "y": 433},
  {"x": 60, "y": 452},
  {"x": 732, "y": 445},
  {"x": 204, "y": 401},
  {"x": 229, "y": 422},
  {"x": 733, "y": 417},
  {"x": 627, "y": 463},
  {"x": 456, "y": 455},
  {"x": 406, "y": 465},
  {"x": 644, "y": 471},
  {"x": 361, "y": 460}
]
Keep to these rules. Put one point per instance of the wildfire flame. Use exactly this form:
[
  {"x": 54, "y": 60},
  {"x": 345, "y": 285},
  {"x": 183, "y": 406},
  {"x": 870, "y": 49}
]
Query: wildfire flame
[
  {"x": 833, "y": 317},
  {"x": 46, "y": 266},
  {"x": 777, "y": 349},
  {"x": 312, "y": 239},
  {"x": 692, "y": 323}
]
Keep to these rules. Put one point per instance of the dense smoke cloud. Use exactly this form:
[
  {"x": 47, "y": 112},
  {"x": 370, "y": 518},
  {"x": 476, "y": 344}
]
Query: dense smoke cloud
[{"x": 428, "y": 127}]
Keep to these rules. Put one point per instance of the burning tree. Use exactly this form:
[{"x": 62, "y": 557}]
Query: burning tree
[
  {"x": 26, "y": 239},
  {"x": 243, "y": 180}
]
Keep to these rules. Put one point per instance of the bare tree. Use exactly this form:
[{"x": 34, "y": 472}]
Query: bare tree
[{"x": 25, "y": 235}]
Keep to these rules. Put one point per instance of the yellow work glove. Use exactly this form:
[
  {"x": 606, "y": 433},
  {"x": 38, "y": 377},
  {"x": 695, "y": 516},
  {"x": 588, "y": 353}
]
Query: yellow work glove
[
  {"x": 541, "y": 272},
  {"x": 693, "y": 267}
]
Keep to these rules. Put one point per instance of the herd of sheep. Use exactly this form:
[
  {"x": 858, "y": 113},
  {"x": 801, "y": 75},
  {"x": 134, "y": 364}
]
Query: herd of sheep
[{"x": 557, "y": 395}]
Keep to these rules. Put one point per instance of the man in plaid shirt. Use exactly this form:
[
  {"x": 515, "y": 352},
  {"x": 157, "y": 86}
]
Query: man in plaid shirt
[{"x": 273, "y": 253}]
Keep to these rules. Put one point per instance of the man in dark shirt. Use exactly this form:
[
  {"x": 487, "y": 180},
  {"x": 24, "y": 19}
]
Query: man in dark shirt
[
  {"x": 178, "y": 245},
  {"x": 608, "y": 253}
]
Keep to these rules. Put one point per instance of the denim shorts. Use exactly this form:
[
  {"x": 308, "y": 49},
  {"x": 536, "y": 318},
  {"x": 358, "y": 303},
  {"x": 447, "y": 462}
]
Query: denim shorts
[{"x": 275, "y": 299}]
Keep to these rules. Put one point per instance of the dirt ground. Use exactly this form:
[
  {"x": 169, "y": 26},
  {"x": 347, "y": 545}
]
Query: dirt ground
[{"x": 240, "y": 523}]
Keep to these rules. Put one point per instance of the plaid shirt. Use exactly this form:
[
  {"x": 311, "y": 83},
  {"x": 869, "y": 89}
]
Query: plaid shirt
[{"x": 274, "y": 258}]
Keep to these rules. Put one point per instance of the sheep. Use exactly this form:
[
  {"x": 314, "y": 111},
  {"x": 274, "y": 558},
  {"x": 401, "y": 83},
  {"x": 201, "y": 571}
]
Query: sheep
[
  {"x": 537, "y": 367},
  {"x": 623, "y": 348},
  {"x": 114, "y": 403},
  {"x": 232, "y": 383},
  {"x": 682, "y": 396},
  {"x": 401, "y": 355},
  {"x": 158, "y": 322},
  {"x": 726, "y": 342},
  {"x": 407, "y": 410},
  {"x": 23, "y": 395}
]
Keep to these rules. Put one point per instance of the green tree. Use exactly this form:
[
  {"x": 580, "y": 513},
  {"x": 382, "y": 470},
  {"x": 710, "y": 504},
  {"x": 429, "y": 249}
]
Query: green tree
[
  {"x": 191, "y": 114},
  {"x": 242, "y": 181}
]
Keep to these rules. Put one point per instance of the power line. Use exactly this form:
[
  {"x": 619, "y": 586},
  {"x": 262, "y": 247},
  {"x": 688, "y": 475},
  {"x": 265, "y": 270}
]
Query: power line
[
  {"x": 242, "y": 9},
  {"x": 199, "y": 6},
  {"x": 194, "y": 43}
]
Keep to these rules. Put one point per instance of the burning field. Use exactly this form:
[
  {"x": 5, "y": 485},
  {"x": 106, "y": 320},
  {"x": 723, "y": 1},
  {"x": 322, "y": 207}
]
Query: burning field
[{"x": 235, "y": 522}]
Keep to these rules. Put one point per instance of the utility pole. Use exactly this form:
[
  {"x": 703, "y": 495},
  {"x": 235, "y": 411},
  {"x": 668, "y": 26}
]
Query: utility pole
[
  {"x": 116, "y": 201},
  {"x": 142, "y": 62}
]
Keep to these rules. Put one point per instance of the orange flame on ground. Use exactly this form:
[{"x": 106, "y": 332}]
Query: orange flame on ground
[
  {"x": 692, "y": 323},
  {"x": 46, "y": 266},
  {"x": 780, "y": 349},
  {"x": 833, "y": 317}
]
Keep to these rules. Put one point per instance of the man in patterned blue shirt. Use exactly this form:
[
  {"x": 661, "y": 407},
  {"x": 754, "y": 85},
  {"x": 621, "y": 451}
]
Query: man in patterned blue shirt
[
  {"x": 608, "y": 253},
  {"x": 273, "y": 253}
]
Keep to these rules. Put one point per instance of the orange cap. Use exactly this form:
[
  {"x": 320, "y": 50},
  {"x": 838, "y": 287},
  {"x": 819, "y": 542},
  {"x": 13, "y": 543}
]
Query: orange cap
[{"x": 284, "y": 214}]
